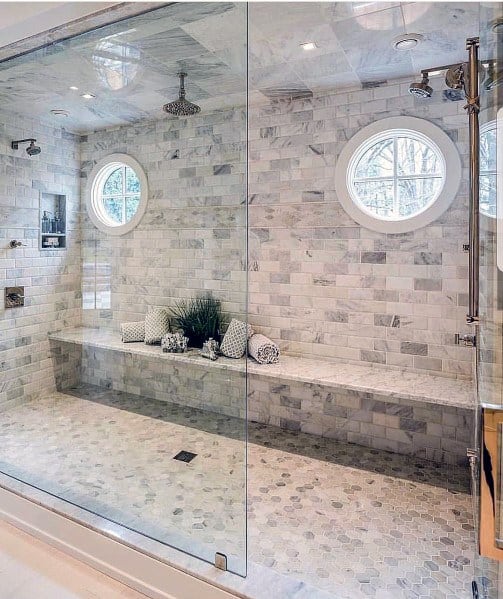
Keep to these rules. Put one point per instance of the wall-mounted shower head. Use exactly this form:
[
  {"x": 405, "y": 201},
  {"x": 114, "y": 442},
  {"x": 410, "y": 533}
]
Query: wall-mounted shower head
[
  {"x": 181, "y": 107},
  {"x": 31, "y": 150},
  {"x": 421, "y": 89}
]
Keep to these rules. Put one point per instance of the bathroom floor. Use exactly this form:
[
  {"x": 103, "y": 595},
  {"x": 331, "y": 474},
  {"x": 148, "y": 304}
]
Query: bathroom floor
[{"x": 353, "y": 521}]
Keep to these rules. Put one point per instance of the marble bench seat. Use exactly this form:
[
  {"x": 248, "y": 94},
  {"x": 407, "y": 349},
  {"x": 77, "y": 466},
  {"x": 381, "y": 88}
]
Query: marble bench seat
[{"x": 405, "y": 412}]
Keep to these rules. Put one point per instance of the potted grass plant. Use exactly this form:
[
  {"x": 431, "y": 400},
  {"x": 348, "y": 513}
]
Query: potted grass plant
[{"x": 199, "y": 318}]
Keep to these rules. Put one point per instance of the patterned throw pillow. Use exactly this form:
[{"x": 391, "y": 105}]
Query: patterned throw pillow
[
  {"x": 235, "y": 339},
  {"x": 156, "y": 325},
  {"x": 132, "y": 331}
]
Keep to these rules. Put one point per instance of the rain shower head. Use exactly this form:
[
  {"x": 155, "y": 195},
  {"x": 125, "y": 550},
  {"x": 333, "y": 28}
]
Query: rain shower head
[
  {"x": 31, "y": 150},
  {"x": 181, "y": 107},
  {"x": 421, "y": 89}
]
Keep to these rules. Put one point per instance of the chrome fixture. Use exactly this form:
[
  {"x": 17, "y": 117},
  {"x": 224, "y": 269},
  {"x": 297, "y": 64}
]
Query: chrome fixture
[
  {"x": 466, "y": 340},
  {"x": 15, "y": 243},
  {"x": 465, "y": 77},
  {"x": 181, "y": 107},
  {"x": 471, "y": 86},
  {"x": 421, "y": 89},
  {"x": 32, "y": 149},
  {"x": 14, "y": 297},
  {"x": 455, "y": 76}
]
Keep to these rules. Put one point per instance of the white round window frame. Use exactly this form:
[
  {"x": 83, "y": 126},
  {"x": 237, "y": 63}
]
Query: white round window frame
[
  {"x": 438, "y": 139},
  {"x": 96, "y": 180}
]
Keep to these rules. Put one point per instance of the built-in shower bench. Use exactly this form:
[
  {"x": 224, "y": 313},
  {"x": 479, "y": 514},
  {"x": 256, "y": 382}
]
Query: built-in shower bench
[{"x": 405, "y": 412}]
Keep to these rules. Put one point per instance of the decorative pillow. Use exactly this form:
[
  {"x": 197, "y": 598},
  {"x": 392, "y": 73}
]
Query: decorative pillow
[
  {"x": 132, "y": 331},
  {"x": 235, "y": 339},
  {"x": 156, "y": 325}
]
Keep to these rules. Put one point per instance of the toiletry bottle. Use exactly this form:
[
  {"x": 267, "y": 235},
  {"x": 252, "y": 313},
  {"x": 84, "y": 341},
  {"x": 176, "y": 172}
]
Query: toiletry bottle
[
  {"x": 57, "y": 223},
  {"x": 45, "y": 223}
]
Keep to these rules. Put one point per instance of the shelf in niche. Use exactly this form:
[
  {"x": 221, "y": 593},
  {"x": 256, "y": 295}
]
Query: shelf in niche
[{"x": 52, "y": 217}]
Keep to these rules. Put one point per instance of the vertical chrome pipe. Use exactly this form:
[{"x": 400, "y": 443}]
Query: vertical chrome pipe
[{"x": 473, "y": 108}]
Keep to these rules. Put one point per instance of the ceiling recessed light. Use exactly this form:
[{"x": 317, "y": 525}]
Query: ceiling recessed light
[
  {"x": 309, "y": 46},
  {"x": 60, "y": 112},
  {"x": 88, "y": 96},
  {"x": 407, "y": 41},
  {"x": 74, "y": 88}
]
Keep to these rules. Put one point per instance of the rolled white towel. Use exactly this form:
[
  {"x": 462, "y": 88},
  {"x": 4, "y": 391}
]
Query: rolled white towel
[
  {"x": 132, "y": 331},
  {"x": 263, "y": 349}
]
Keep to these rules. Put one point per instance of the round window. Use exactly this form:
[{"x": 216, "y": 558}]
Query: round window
[
  {"x": 117, "y": 194},
  {"x": 398, "y": 174},
  {"x": 488, "y": 169}
]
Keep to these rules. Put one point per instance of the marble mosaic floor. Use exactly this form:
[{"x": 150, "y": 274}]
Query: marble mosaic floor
[{"x": 349, "y": 520}]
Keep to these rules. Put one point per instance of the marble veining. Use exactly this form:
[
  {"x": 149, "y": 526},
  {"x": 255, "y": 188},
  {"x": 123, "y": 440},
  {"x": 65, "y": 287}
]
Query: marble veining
[
  {"x": 366, "y": 379},
  {"x": 131, "y": 65}
]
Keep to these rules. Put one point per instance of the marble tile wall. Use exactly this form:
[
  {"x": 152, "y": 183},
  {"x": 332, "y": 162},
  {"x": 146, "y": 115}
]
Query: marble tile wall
[
  {"x": 51, "y": 278},
  {"x": 322, "y": 286},
  {"x": 192, "y": 238}
]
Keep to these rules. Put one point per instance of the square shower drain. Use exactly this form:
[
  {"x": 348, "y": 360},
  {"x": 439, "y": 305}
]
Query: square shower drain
[{"x": 185, "y": 456}]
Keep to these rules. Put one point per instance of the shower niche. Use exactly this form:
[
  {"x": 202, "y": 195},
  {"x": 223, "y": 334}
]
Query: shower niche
[{"x": 52, "y": 221}]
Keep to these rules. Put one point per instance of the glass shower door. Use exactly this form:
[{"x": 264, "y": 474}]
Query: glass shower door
[
  {"x": 488, "y": 489},
  {"x": 145, "y": 444}
]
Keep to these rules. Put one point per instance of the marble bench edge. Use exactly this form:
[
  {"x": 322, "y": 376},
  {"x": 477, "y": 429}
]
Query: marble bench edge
[{"x": 463, "y": 387}]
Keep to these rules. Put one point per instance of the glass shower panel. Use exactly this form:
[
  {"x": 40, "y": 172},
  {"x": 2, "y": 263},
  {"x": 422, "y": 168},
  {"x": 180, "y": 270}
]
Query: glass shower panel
[
  {"x": 151, "y": 441},
  {"x": 488, "y": 572}
]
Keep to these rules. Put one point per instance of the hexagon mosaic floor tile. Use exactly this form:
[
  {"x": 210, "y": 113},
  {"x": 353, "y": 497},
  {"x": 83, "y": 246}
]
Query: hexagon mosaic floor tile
[{"x": 349, "y": 520}]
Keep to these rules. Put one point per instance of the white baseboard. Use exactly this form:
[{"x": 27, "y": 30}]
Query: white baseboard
[{"x": 141, "y": 572}]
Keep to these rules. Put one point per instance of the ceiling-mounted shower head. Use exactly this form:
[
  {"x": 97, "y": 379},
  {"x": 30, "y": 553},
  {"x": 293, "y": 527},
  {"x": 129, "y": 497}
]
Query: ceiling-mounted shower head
[
  {"x": 181, "y": 107},
  {"x": 31, "y": 150},
  {"x": 421, "y": 89}
]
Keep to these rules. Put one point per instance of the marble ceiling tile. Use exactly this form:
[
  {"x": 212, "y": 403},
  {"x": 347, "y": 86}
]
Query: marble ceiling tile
[
  {"x": 268, "y": 19},
  {"x": 321, "y": 66},
  {"x": 273, "y": 76},
  {"x": 288, "y": 44},
  {"x": 337, "y": 11},
  {"x": 334, "y": 81},
  {"x": 261, "y": 53},
  {"x": 445, "y": 28},
  {"x": 169, "y": 46},
  {"x": 220, "y": 30},
  {"x": 224, "y": 85},
  {"x": 367, "y": 43},
  {"x": 188, "y": 12}
]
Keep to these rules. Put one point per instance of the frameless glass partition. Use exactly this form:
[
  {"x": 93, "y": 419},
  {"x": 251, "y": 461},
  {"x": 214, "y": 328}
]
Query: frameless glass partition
[
  {"x": 133, "y": 221},
  {"x": 488, "y": 570}
]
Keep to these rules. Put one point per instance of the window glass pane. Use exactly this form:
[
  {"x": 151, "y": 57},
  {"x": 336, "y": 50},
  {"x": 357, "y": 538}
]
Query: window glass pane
[
  {"x": 376, "y": 197},
  {"x": 132, "y": 181},
  {"x": 488, "y": 194},
  {"x": 132, "y": 203},
  {"x": 113, "y": 184},
  {"x": 416, "y": 158},
  {"x": 415, "y": 194},
  {"x": 113, "y": 209},
  {"x": 488, "y": 150},
  {"x": 377, "y": 161}
]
